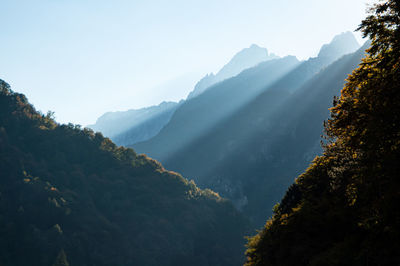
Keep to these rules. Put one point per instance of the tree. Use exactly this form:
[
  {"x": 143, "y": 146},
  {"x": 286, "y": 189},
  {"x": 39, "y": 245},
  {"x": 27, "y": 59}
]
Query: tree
[
  {"x": 61, "y": 259},
  {"x": 365, "y": 120},
  {"x": 347, "y": 213}
]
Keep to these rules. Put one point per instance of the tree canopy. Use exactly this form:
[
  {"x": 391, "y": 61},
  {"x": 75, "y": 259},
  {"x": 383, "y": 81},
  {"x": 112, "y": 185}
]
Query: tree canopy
[
  {"x": 69, "y": 196},
  {"x": 344, "y": 209}
]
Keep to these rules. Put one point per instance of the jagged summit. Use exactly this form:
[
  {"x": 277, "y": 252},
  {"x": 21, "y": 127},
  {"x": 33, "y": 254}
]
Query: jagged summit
[
  {"x": 246, "y": 58},
  {"x": 341, "y": 44}
]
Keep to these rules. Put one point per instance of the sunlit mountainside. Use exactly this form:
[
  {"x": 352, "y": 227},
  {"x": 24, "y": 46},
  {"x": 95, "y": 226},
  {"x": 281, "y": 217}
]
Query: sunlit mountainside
[{"x": 238, "y": 133}]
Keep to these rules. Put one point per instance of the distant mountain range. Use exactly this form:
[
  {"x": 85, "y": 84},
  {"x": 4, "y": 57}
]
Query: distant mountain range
[
  {"x": 242, "y": 137},
  {"x": 125, "y": 127},
  {"x": 246, "y": 58},
  {"x": 232, "y": 131},
  {"x": 132, "y": 126},
  {"x": 200, "y": 114}
]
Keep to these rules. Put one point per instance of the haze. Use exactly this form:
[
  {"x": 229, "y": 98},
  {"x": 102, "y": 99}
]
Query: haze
[{"x": 83, "y": 58}]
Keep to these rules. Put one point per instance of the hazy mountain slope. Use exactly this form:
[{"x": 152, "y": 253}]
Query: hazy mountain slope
[
  {"x": 196, "y": 116},
  {"x": 246, "y": 58},
  {"x": 344, "y": 43},
  {"x": 254, "y": 155},
  {"x": 71, "y": 196},
  {"x": 341, "y": 44},
  {"x": 147, "y": 128},
  {"x": 132, "y": 126},
  {"x": 127, "y": 127}
]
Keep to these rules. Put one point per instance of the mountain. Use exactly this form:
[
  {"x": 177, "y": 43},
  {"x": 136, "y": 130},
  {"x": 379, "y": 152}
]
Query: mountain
[
  {"x": 344, "y": 209},
  {"x": 132, "y": 126},
  {"x": 284, "y": 142},
  {"x": 253, "y": 156},
  {"x": 72, "y": 197},
  {"x": 344, "y": 43},
  {"x": 198, "y": 115},
  {"x": 223, "y": 138},
  {"x": 246, "y": 58}
]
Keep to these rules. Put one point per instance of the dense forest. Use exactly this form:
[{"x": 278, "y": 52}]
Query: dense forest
[
  {"x": 344, "y": 209},
  {"x": 69, "y": 196}
]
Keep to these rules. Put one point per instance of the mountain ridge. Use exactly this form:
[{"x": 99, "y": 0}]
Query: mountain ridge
[
  {"x": 208, "y": 158},
  {"x": 244, "y": 59},
  {"x": 137, "y": 125}
]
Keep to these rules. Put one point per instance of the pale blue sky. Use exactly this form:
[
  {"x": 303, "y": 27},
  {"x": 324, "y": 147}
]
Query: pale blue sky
[{"x": 81, "y": 58}]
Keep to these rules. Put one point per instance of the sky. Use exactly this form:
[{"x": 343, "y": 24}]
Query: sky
[{"x": 82, "y": 58}]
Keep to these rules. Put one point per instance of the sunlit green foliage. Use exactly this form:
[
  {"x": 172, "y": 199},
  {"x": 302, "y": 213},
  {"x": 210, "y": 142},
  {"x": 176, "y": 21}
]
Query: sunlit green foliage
[{"x": 344, "y": 209}]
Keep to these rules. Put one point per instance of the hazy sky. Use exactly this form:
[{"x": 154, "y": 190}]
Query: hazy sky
[{"x": 81, "y": 58}]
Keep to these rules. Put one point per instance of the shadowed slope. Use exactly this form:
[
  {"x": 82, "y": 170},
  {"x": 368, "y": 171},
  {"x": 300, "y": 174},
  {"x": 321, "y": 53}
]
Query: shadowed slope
[
  {"x": 132, "y": 126},
  {"x": 71, "y": 196},
  {"x": 253, "y": 156},
  {"x": 196, "y": 116}
]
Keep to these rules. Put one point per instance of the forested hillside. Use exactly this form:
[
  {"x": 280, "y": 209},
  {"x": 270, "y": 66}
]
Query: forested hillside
[
  {"x": 71, "y": 197},
  {"x": 344, "y": 209}
]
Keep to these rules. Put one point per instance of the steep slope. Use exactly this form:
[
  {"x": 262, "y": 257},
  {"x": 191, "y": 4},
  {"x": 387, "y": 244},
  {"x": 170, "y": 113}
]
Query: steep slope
[
  {"x": 198, "y": 115},
  {"x": 133, "y": 126},
  {"x": 344, "y": 43},
  {"x": 253, "y": 156},
  {"x": 246, "y": 58},
  {"x": 344, "y": 209},
  {"x": 71, "y": 196},
  {"x": 208, "y": 143}
]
